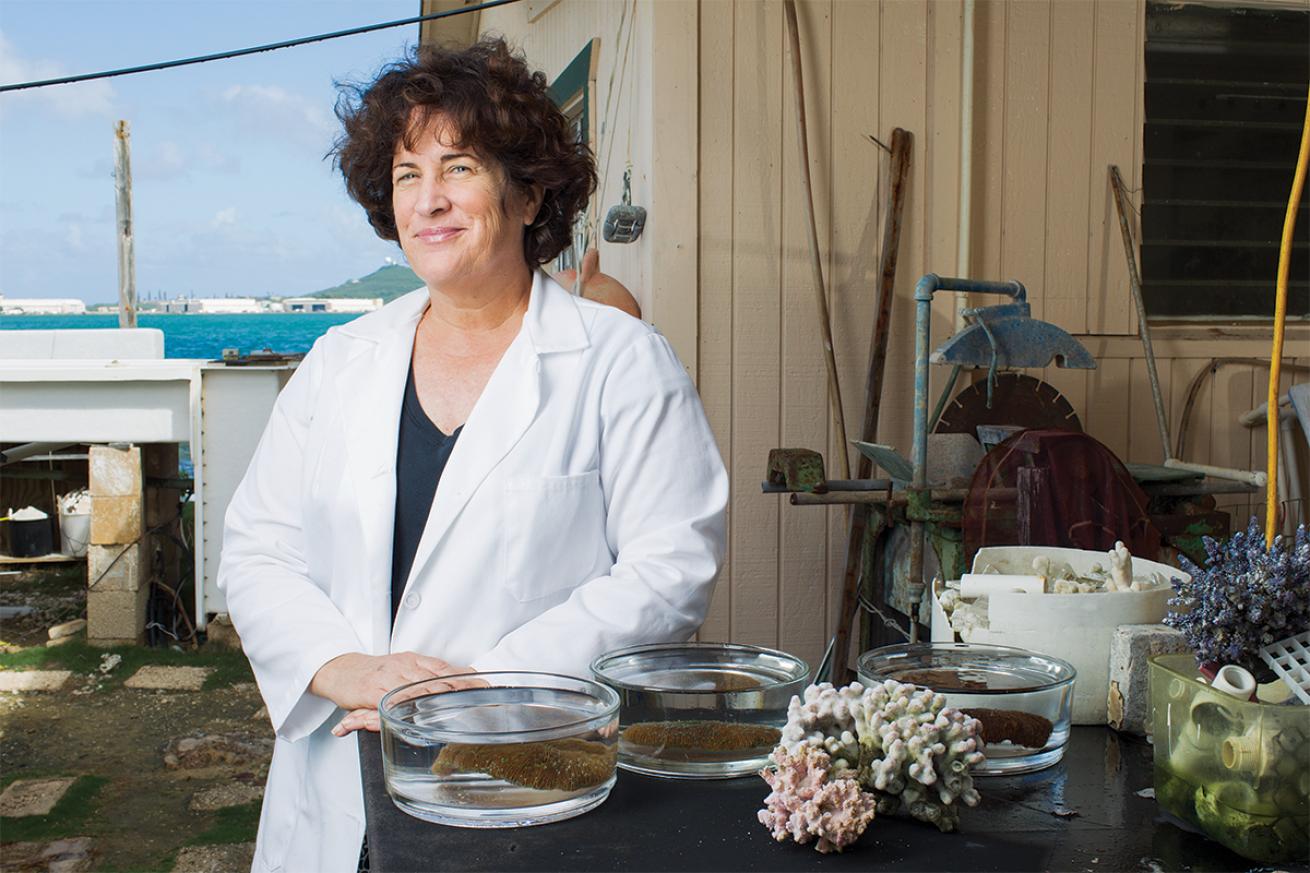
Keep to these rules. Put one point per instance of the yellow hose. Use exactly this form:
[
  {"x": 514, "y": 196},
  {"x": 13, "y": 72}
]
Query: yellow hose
[{"x": 1280, "y": 316}]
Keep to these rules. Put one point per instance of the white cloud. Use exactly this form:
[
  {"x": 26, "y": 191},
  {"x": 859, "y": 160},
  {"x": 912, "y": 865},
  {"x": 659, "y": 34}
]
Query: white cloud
[
  {"x": 224, "y": 218},
  {"x": 273, "y": 109},
  {"x": 67, "y": 101}
]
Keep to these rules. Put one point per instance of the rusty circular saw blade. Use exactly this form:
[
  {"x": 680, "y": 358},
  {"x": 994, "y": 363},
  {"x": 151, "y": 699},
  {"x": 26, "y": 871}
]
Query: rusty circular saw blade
[{"x": 1017, "y": 399}]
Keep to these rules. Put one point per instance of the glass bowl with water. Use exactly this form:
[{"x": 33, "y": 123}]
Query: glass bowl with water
[
  {"x": 499, "y": 749},
  {"x": 1023, "y": 699},
  {"x": 700, "y": 710}
]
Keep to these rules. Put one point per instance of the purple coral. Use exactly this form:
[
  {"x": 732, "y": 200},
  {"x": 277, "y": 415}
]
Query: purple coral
[
  {"x": 806, "y": 802},
  {"x": 1245, "y": 598}
]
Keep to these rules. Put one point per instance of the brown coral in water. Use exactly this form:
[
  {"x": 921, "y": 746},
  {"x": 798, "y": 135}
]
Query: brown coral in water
[
  {"x": 711, "y": 736},
  {"x": 568, "y": 764}
]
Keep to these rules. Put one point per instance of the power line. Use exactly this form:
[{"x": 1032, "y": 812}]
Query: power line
[{"x": 304, "y": 40}]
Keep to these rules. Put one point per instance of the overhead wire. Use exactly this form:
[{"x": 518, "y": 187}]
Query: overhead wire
[{"x": 236, "y": 53}]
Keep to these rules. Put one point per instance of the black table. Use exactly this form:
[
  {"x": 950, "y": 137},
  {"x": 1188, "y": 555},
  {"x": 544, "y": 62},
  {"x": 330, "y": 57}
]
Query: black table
[{"x": 1023, "y": 823}]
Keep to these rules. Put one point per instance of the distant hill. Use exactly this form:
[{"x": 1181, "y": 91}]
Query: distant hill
[{"x": 390, "y": 282}]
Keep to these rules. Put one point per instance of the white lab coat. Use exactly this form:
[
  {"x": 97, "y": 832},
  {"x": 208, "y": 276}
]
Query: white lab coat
[{"x": 583, "y": 509}]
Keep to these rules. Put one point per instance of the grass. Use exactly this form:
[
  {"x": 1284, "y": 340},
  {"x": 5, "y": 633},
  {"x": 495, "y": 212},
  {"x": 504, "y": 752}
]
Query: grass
[
  {"x": 232, "y": 824},
  {"x": 67, "y": 819},
  {"x": 229, "y": 667}
]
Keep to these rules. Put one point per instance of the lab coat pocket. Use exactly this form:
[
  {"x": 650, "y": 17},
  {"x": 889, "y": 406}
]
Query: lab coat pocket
[{"x": 553, "y": 525}]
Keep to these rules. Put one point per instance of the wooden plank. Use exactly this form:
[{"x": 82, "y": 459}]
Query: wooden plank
[
  {"x": 856, "y": 229},
  {"x": 903, "y": 100},
  {"x": 1114, "y": 80},
  {"x": 1233, "y": 388},
  {"x": 1107, "y": 405},
  {"x": 1143, "y": 431},
  {"x": 1023, "y": 210},
  {"x": 757, "y": 230},
  {"x": 672, "y": 251},
  {"x": 936, "y": 161},
  {"x": 803, "y": 392},
  {"x": 1069, "y": 171},
  {"x": 1199, "y": 422},
  {"x": 989, "y": 137},
  {"x": 715, "y": 343}
]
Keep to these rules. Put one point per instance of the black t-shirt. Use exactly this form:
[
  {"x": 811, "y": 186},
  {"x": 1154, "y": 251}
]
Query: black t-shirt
[{"x": 421, "y": 454}]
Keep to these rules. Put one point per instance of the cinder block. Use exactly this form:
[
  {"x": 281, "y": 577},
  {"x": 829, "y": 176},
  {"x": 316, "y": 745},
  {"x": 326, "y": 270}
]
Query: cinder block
[
  {"x": 115, "y": 567},
  {"x": 116, "y": 617},
  {"x": 1129, "y": 702},
  {"x": 115, "y": 472},
  {"x": 116, "y": 519}
]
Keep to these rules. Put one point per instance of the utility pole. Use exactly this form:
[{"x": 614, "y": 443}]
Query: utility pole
[{"x": 123, "y": 199}]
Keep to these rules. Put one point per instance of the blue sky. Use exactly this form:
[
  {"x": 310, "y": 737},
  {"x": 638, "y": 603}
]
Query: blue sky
[{"x": 230, "y": 192}]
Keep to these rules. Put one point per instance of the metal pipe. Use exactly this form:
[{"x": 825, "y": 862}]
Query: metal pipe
[
  {"x": 924, "y": 290},
  {"x": 1250, "y": 477},
  {"x": 27, "y": 450},
  {"x": 1143, "y": 328}
]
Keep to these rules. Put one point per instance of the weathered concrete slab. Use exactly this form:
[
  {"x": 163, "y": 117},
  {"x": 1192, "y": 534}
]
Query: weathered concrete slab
[
  {"x": 225, "y": 751},
  {"x": 69, "y": 855},
  {"x": 33, "y": 680},
  {"x": 155, "y": 677},
  {"x": 1128, "y": 702},
  {"x": 215, "y": 859},
  {"x": 226, "y": 794},
  {"x": 66, "y": 629},
  {"x": 33, "y": 796}
]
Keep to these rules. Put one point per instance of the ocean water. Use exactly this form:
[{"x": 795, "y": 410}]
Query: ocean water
[{"x": 205, "y": 336}]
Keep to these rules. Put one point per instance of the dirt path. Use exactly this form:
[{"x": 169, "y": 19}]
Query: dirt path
[{"x": 134, "y": 806}]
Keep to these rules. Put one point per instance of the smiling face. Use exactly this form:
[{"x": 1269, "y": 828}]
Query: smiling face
[{"x": 459, "y": 220}]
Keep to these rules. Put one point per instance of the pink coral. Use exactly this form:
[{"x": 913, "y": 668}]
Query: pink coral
[{"x": 806, "y": 803}]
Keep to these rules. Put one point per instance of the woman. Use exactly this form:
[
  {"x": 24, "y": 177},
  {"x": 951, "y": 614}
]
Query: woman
[{"x": 488, "y": 473}]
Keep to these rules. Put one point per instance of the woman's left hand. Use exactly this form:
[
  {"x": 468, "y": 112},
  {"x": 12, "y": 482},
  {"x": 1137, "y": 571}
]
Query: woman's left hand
[{"x": 369, "y": 720}]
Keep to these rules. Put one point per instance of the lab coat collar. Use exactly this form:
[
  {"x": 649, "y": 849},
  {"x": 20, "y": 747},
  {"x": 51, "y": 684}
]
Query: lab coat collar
[{"x": 553, "y": 322}]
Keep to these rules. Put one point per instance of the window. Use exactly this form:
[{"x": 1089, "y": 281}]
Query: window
[
  {"x": 574, "y": 92},
  {"x": 1225, "y": 101}
]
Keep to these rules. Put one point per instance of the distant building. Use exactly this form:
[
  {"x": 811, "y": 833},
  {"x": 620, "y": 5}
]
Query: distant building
[
  {"x": 214, "y": 305},
  {"x": 331, "y": 304},
  {"x": 41, "y": 306}
]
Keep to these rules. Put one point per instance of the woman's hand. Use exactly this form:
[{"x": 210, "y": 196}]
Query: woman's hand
[
  {"x": 367, "y": 718},
  {"x": 358, "y": 681}
]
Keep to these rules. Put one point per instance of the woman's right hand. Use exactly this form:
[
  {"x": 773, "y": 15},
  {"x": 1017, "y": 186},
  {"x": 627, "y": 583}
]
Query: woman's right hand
[{"x": 358, "y": 681}]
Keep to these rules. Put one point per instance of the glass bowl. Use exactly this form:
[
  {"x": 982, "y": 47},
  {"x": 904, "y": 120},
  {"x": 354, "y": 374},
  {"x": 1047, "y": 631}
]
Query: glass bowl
[
  {"x": 501, "y": 749},
  {"x": 1023, "y": 699},
  {"x": 700, "y": 710}
]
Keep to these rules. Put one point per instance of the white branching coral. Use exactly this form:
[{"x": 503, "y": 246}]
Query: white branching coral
[
  {"x": 808, "y": 803},
  {"x": 901, "y": 744}
]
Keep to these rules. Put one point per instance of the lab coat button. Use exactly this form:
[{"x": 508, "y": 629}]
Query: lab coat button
[{"x": 412, "y": 600}]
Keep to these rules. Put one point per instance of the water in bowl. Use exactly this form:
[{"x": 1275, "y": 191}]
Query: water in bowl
[{"x": 501, "y": 762}]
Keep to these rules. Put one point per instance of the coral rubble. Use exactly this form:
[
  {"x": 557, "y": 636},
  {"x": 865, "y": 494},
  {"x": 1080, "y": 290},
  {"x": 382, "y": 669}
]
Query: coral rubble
[{"x": 900, "y": 745}]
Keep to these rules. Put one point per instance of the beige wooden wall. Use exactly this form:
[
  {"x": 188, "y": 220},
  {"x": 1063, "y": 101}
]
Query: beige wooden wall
[
  {"x": 1058, "y": 97},
  {"x": 725, "y": 271}
]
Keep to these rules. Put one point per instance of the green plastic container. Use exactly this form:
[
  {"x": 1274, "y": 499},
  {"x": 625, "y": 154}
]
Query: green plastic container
[{"x": 1238, "y": 770}]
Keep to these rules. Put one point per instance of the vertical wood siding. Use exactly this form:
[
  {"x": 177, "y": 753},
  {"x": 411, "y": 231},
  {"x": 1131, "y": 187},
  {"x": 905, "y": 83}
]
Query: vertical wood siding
[{"x": 1057, "y": 98}]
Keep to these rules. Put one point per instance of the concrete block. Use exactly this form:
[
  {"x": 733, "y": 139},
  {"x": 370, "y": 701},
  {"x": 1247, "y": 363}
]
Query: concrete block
[
  {"x": 115, "y": 472},
  {"x": 33, "y": 796},
  {"x": 1128, "y": 703},
  {"x": 115, "y": 567},
  {"x": 116, "y": 519},
  {"x": 66, "y": 629},
  {"x": 160, "y": 678},
  {"x": 34, "y": 680},
  {"x": 116, "y": 617}
]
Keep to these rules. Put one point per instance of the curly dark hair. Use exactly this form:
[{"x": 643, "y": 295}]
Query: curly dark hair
[{"x": 500, "y": 108}]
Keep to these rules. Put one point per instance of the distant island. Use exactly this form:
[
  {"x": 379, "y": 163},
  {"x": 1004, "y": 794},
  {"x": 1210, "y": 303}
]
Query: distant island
[
  {"x": 356, "y": 295},
  {"x": 389, "y": 282}
]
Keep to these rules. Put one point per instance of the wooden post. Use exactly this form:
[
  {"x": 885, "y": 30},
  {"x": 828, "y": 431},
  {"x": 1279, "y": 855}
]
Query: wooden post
[{"x": 123, "y": 200}]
